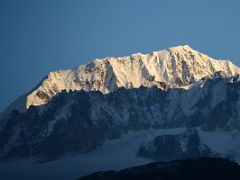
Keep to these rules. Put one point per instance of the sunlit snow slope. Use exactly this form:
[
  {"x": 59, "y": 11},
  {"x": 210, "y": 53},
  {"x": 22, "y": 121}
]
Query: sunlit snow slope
[{"x": 174, "y": 67}]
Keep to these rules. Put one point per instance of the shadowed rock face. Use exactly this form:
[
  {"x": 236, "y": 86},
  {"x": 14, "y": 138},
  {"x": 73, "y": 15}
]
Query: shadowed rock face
[
  {"x": 204, "y": 168},
  {"x": 80, "y": 121},
  {"x": 174, "y": 147}
]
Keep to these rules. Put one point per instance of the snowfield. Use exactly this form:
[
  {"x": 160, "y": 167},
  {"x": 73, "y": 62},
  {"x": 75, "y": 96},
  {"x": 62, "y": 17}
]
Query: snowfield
[{"x": 115, "y": 154}]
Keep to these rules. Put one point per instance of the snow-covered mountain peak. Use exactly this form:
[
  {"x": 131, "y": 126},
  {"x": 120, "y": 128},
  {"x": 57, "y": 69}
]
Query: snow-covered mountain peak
[
  {"x": 180, "y": 49},
  {"x": 178, "y": 66},
  {"x": 173, "y": 67},
  {"x": 80, "y": 121}
]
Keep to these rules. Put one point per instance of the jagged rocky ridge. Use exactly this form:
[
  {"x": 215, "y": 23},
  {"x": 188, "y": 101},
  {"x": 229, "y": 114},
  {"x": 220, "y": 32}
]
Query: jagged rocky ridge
[
  {"x": 203, "y": 168},
  {"x": 80, "y": 121},
  {"x": 170, "y": 68}
]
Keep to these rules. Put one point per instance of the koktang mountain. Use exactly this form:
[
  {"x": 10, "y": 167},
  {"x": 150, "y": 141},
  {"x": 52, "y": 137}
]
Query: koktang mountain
[
  {"x": 167, "y": 105},
  {"x": 174, "y": 67}
]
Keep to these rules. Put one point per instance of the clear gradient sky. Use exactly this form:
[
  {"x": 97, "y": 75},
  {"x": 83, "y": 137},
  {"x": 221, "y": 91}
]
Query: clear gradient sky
[{"x": 38, "y": 36}]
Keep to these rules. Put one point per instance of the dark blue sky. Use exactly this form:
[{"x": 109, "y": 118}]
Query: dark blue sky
[{"x": 40, "y": 36}]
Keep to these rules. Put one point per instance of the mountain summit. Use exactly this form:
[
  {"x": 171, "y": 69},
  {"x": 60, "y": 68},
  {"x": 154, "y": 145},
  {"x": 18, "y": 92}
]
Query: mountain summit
[
  {"x": 178, "y": 66},
  {"x": 173, "y": 67}
]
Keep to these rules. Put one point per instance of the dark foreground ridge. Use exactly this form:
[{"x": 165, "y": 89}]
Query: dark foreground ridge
[{"x": 203, "y": 168}]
